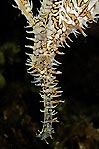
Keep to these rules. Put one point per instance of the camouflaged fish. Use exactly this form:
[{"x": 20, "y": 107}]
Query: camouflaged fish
[{"x": 56, "y": 20}]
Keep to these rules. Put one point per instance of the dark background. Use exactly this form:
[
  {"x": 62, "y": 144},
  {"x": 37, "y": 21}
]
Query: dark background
[{"x": 19, "y": 99}]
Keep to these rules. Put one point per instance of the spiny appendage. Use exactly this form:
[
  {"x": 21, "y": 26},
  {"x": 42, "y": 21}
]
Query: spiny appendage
[
  {"x": 48, "y": 92},
  {"x": 44, "y": 75},
  {"x": 55, "y": 21},
  {"x": 72, "y": 17},
  {"x": 26, "y": 6},
  {"x": 49, "y": 118}
]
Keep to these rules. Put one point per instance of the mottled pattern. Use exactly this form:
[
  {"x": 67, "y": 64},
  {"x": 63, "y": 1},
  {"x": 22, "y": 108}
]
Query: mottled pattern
[{"x": 56, "y": 20}]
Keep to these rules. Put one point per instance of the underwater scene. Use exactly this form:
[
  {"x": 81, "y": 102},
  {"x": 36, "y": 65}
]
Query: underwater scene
[{"x": 21, "y": 105}]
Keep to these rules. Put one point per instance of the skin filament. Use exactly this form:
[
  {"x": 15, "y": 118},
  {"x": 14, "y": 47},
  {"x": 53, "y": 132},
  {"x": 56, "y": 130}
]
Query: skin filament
[{"x": 56, "y": 20}]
